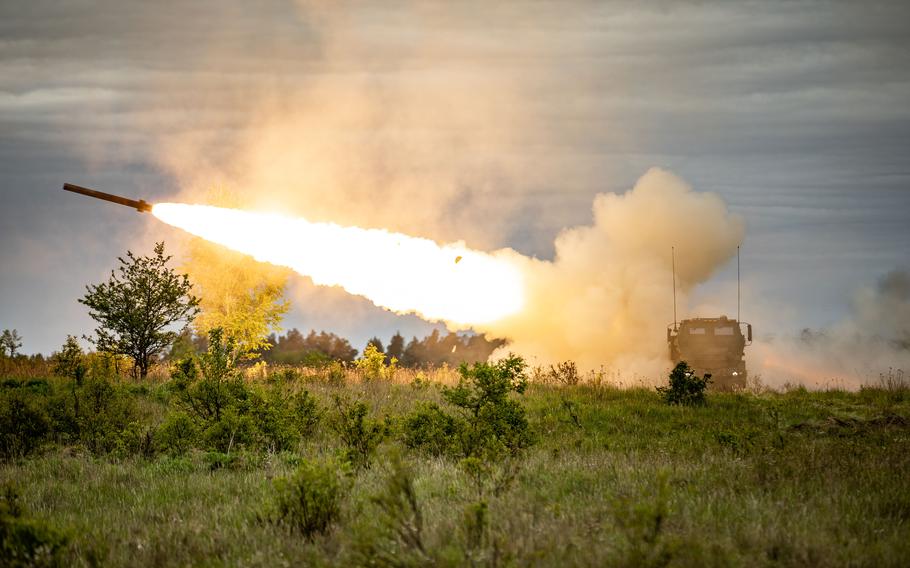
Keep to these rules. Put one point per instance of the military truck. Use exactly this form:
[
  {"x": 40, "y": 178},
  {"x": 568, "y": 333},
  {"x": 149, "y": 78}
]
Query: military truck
[{"x": 712, "y": 345}]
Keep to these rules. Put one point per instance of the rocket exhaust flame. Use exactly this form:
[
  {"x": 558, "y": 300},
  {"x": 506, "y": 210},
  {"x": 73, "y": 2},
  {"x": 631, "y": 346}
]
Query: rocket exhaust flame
[{"x": 405, "y": 274}]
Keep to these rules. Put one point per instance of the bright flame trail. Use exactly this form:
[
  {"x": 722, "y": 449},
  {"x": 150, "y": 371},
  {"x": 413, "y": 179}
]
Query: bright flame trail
[{"x": 405, "y": 274}]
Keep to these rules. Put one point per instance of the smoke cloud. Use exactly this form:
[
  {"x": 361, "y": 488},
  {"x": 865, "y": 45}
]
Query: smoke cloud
[
  {"x": 420, "y": 119},
  {"x": 606, "y": 298},
  {"x": 873, "y": 341}
]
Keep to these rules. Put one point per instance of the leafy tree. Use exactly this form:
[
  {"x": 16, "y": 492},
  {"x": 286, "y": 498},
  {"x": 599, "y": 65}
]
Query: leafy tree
[
  {"x": 376, "y": 343},
  {"x": 10, "y": 343},
  {"x": 137, "y": 306},
  {"x": 243, "y": 297},
  {"x": 70, "y": 360},
  {"x": 396, "y": 346}
]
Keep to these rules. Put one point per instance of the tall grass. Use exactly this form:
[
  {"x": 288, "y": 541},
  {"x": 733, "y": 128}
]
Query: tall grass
[{"x": 617, "y": 477}]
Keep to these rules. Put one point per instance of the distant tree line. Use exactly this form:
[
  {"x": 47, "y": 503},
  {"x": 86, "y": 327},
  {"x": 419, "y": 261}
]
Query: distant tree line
[
  {"x": 435, "y": 349},
  {"x": 311, "y": 349},
  {"x": 438, "y": 349},
  {"x": 146, "y": 312}
]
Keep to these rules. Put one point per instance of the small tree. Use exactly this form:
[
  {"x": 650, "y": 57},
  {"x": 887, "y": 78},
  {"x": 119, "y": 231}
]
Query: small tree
[
  {"x": 243, "y": 297},
  {"x": 138, "y": 306},
  {"x": 373, "y": 364},
  {"x": 488, "y": 425},
  {"x": 396, "y": 346},
  {"x": 685, "y": 387},
  {"x": 10, "y": 343},
  {"x": 70, "y": 360}
]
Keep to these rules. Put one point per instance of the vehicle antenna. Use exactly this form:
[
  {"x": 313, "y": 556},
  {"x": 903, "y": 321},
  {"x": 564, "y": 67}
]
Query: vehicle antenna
[
  {"x": 737, "y": 285},
  {"x": 673, "y": 255}
]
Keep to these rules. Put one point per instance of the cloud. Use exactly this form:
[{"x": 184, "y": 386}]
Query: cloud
[{"x": 497, "y": 123}]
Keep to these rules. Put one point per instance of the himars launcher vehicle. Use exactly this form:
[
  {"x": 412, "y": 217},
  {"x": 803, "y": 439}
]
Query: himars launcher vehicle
[{"x": 714, "y": 346}]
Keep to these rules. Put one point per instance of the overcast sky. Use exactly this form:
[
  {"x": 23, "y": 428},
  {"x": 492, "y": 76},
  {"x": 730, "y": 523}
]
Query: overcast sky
[{"x": 495, "y": 122}]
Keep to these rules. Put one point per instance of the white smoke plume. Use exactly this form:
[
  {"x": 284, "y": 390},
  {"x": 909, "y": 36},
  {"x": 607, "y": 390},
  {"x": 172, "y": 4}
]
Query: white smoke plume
[
  {"x": 606, "y": 298},
  {"x": 873, "y": 342},
  {"x": 429, "y": 136}
]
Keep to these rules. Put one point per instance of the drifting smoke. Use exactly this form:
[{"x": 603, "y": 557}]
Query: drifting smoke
[
  {"x": 872, "y": 342},
  {"x": 604, "y": 299}
]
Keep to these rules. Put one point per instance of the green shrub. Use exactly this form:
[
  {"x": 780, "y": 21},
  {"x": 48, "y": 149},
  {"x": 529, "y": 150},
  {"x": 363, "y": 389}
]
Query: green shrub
[
  {"x": 488, "y": 423},
  {"x": 229, "y": 413},
  {"x": 431, "y": 430},
  {"x": 372, "y": 365},
  {"x": 685, "y": 388},
  {"x": 24, "y": 424},
  {"x": 306, "y": 412},
  {"x": 273, "y": 417},
  {"x": 360, "y": 434},
  {"x": 177, "y": 433},
  {"x": 232, "y": 429},
  {"x": 102, "y": 411},
  {"x": 24, "y": 541},
  {"x": 208, "y": 389},
  {"x": 491, "y": 425},
  {"x": 309, "y": 501},
  {"x": 135, "y": 439}
]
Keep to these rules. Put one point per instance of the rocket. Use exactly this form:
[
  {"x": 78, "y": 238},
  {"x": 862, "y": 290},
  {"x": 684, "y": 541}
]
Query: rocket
[{"x": 139, "y": 205}]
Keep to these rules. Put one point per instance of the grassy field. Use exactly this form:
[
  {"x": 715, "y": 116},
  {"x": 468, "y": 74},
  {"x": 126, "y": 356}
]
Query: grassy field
[{"x": 616, "y": 477}]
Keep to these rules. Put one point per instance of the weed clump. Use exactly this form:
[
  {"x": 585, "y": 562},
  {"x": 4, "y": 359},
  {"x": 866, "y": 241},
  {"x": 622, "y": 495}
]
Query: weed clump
[
  {"x": 686, "y": 387},
  {"x": 309, "y": 501},
  {"x": 565, "y": 373}
]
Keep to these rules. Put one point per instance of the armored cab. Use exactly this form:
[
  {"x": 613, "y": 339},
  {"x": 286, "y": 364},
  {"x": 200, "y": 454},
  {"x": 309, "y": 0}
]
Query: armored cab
[{"x": 712, "y": 345}]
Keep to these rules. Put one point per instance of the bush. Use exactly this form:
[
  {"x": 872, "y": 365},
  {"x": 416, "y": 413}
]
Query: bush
[
  {"x": 686, "y": 388},
  {"x": 306, "y": 412},
  {"x": 334, "y": 374},
  {"x": 227, "y": 412},
  {"x": 232, "y": 429},
  {"x": 309, "y": 501},
  {"x": 24, "y": 424},
  {"x": 399, "y": 540},
  {"x": 372, "y": 365},
  {"x": 488, "y": 424},
  {"x": 102, "y": 412},
  {"x": 360, "y": 434},
  {"x": 215, "y": 385},
  {"x": 491, "y": 424},
  {"x": 431, "y": 430},
  {"x": 24, "y": 541},
  {"x": 177, "y": 433}
]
